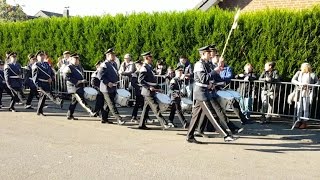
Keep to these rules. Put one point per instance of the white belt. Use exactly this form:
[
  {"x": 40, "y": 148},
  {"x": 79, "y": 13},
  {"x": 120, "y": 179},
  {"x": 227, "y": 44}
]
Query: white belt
[
  {"x": 43, "y": 80},
  {"x": 201, "y": 85},
  {"x": 14, "y": 76},
  {"x": 152, "y": 84}
]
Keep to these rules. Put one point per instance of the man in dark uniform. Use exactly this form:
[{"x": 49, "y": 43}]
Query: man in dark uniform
[
  {"x": 175, "y": 87},
  {"x": 29, "y": 82},
  {"x": 75, "y": 85},
  {"x": 3, "y": 85},
  {"x": 109, "y": 79},
  {"x": 95, "y": 83},
  {"x": 201, "y": 96},
  {"x": 13, "y": 77},
  {"x": 149, "y": 84},
  {"x": 43, "y": 76}
]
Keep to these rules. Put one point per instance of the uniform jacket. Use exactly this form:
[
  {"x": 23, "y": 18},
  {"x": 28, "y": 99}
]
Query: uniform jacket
[
  {"x": 108, "y": 72},
  {"x": 147, "y": 79},
  {"x": 41, "y": 73},
  {"x": 74, "y": 74},
  {"x": 135, "y": 84},
  {"x": 202, "y": 77},
  {"x": 28, "y": 77},
  {"x": 13, "y": 75}
]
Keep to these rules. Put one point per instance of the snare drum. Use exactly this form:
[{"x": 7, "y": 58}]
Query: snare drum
[
  {"x": 226, "y": 97},
  {"x": 123, "y": 97},
  {"x": 186, "y": 104},
  {"x": 164, "y": 101},
  {"x": 90, "y": 93}
]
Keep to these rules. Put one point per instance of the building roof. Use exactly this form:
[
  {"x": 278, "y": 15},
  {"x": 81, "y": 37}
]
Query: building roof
[
  {"x": 206, "y": 4},
  {"x": 43, "y": 13}
]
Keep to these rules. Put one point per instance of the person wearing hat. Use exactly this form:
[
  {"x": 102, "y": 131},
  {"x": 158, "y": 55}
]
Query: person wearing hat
[
  {"x": 65, "y": 60},
  {"x": 29, "y": 82},
  {"x": 149, "y": 88},
  {"x": 3, "y": 85},
  {"x": 13, "y": 77},
  {"x": 137, "y": 89},
  {"x": 201, "y": 95},
  {"x": 75, "y": 85},
  {"x": 95, "y": 83},
  {"x": 214, "y": 57},
  {"x": 175, "y": 87},
  {"x": 43, "y": 76},
  {"x": 204, "y": 123},
  {"x": 109, "y": 78},
  {"x": 127, "y": 68}
]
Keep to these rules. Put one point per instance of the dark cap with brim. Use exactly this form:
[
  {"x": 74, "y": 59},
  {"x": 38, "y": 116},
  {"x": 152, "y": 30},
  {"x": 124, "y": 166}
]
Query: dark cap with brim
[
  {"x": 146, "y": 54},
  {"x": 12, "y": 53},
  {"x": 39, "y": 53},
  {"x": 110, "y": 50},
  {"x": 205, "y": 49},
  {"x": 75, "y": 55}
]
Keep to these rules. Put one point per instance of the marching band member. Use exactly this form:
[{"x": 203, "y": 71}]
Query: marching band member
[
  {"x": 109, "y": 78},
  {"x": 95, "y": 83},
  {"x": 3, "y": 85},
  {"x": 201, "y": 95},
  {"x": 43, "y": 76},
  {"x": 175, "y": 87},
  {"x": 149, "y": 82},
  {"x": 13, "y": 77},
  {"x": 75, "y": 85},
  {"x": 29, "y": 82}
]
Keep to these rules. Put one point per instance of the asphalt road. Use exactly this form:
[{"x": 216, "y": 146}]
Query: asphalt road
[{"x": 33, "y": 147}]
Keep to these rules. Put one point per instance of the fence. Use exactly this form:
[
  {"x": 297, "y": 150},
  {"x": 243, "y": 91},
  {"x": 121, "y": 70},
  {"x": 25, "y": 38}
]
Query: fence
[{"x": 275, "y": 97}]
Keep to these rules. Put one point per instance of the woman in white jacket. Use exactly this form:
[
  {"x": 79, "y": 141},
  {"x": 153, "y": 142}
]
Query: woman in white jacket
[{"x": 304, "y": 92}]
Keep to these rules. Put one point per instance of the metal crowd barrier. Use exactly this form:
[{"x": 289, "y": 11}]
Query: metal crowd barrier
[{"x": 278, "y": 107}]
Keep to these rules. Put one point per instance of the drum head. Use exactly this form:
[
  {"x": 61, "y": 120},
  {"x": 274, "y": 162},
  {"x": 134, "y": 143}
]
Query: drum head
[
  {"x": 90, "y": 90},
  {"x": 225, "y": 94},
  {"x": 163, "y": 98},
  {"x": 123, "y": 93},
  {"x": 235, "y": 94},
  {"x": 186, "y": 101}
]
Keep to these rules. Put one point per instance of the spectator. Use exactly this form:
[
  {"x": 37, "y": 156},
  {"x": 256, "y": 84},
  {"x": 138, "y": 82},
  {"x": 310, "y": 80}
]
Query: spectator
[
  {"x": 187, "y": 76},
  {"x": 269, "y": 92},
  {"x": 127, "y": 68},
  {"x": 246, "y": 88},
  {"x": 160, "y": 71},
  {"x": 225, "y": 71},
  {"x": 304, "y": 92}
]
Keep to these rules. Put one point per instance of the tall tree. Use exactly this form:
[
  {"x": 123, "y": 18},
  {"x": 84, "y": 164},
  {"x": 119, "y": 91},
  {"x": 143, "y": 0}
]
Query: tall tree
[{"x": 11, "y": 13}]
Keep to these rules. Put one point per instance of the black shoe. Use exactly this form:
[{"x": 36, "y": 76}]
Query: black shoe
[
  {"x": 198, "y": 134},
  {"x": 193, "y": 140},
  {"x": 104, "y": 122},
  {"x": 12, "y": 110},
  {"x": 143, "y": 128},
  {"x": 96, "y": 114},
  {"x": 134, "y": 119},
  {"x": 71, "y": 118},
  {"x": 41, "y": 114}
]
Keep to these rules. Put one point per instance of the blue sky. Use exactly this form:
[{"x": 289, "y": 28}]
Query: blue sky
[{"x": 100, "y": 7}]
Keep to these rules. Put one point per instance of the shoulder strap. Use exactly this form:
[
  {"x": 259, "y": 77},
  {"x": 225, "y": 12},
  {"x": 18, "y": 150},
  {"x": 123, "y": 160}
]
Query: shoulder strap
[
  {"x": 43, "y": 71},
  {"x": 12, "y": 70}
]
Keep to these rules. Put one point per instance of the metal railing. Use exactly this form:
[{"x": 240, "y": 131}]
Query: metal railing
[{"x": 276, "y": 95}]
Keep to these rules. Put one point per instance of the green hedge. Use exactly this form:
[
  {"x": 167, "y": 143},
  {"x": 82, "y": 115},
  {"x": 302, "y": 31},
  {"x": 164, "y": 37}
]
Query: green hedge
[{"x": 286, "y": 36}]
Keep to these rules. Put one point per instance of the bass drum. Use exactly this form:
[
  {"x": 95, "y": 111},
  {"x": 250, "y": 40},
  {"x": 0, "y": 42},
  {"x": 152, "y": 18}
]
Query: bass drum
[{"x": 186, "y": 105}]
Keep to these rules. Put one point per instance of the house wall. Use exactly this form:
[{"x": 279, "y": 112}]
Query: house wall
[{"x": 251, "y": 5}]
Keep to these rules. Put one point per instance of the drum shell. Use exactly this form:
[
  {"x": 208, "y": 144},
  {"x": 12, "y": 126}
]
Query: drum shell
[
  {"x": 122, "y": 98},
  {"x": 186, "y": 104},
  {"x": 164, "y": 104},
  {"x": 88, "y": 96}
]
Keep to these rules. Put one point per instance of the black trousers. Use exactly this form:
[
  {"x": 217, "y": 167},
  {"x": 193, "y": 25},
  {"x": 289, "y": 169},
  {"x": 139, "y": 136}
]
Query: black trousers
[
  {"x": 139, "y": 104},
  {"x": 16, "y": 96},
  {"x": 176, "y": 106},
  {"x": 218, "y": 110},
  {"x": 42, "y": 99},
  {"x": 206, "y": 108},
  {"x": 109, "y": 106},
  {"x": 33, "y": 93},
  {"x": 99, "y": 103},
  {"x": 2, "y": 89},
  {"x": 237, "y": 110},
  {"x": 76, "y": 98},
  {"x": 150, "y": 102}
]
